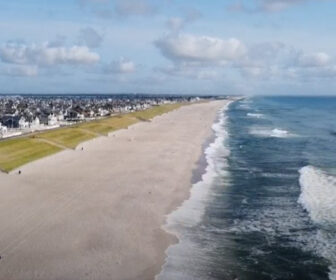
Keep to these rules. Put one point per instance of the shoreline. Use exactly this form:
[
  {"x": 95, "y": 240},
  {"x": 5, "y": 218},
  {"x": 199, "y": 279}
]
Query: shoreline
[
  {"x": 107, "y": 203},
  {"x": 202, "y": 163},
  {"x": 176, "y": 219}
]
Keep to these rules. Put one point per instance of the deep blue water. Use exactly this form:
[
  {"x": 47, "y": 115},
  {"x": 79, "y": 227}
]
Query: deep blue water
[{"x": 266, "y": 208}]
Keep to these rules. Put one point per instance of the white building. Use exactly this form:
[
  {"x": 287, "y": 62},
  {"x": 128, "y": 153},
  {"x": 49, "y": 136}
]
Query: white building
[
  {"x": 52, "y": 120},
  {"x": 60, "y": 117},
  {"x": 3, "y": 131},
  {"x": 103, "y": 112},
  {"x": 35, "y": 124},
  {"x": 23, "y": 123}
]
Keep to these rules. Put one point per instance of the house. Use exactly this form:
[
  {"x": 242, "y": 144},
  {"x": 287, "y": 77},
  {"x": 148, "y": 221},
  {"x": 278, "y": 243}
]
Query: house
[
  {"x": 81, "y": 116},
  {"x": 71, "y": 114},
  {"x": 23, "y": 123},
  {"x": 103, "y": 112},
  {"x": 10, "y": 121},
  {"x": 52, "y": 120},
  {"x": 3, "y": 130},
  {"x": 60, "y": 117},
  {"x": 35, "y": 124},
  {"x": 43, "y": 119}
]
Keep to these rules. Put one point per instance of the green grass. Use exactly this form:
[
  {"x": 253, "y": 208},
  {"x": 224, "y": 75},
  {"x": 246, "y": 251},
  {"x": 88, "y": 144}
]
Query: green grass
[
  {"x": 104, "y": 126},
  {"x": 69, "y": 137},
  {"x": 155, "y": 111},
  {"x": 17, "y": 152}
]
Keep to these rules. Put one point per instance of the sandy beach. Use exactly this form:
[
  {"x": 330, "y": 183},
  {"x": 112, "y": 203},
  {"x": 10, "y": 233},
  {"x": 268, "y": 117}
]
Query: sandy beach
[{"x": 97, "y": 213}]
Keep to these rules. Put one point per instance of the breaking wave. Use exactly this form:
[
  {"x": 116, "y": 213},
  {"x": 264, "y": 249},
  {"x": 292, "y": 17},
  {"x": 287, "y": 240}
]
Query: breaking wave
[
  {"x": 255, "y": 115},
  {"x": 191, "y": 212},
  {"x": 268, "y": 132},
  {"x": 318, "y": 197}
]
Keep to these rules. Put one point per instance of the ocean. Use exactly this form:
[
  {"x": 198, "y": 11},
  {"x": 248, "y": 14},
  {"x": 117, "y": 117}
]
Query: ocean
[{"x": 265, "y": 207}]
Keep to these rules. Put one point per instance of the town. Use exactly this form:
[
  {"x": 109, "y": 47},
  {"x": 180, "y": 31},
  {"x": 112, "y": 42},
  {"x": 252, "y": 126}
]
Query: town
[{"x": 22, "y": 114}]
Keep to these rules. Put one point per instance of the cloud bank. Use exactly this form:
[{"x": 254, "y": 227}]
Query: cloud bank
[
  {"x": 204, "y": 57},
  {"x": 187, "y": 48},
  {"x": 44, "y": 55}
]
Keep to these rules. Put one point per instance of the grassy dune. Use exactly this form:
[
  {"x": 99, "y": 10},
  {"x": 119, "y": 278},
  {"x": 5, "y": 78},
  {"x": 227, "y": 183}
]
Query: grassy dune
[
  {"x": 68, "y": 137},
  {"x": 107, "y": 125},
  {"x": 155, "y": 111},
  {"x": 19, "y": 151}
]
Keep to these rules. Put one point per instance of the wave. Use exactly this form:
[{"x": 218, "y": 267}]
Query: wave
[
  {"x": 191, "y": 212},
  {"x": 278, "y": 175},
  {"x": 268, "y": 132},
  {"x": 255, "y": 115},
  {"x": 245, "y": 104},
  {"x": 318, "y": 198}
]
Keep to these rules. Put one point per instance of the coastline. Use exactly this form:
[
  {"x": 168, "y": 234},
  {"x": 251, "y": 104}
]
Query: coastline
[
  {"x": 67, "y": 201},
  {"x": 190, "y": 211},
  {"x": 202, "y": 163}
]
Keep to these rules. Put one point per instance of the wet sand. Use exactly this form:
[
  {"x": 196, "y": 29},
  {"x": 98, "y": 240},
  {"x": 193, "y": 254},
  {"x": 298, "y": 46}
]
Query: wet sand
[{"x": 98, "y": 213}]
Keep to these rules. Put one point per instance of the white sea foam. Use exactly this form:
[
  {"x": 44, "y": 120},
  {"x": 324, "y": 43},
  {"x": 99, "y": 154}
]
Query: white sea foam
[
  {"x": 269, "y": 132},
  {"x": 190, "y": 213},
  {"x": 192, "y": 210},
  {"x": 245, "y": 106},
  {"x": 278, "y": 175},
  {"x": 279, "y": 133},
  {"x": 245, "y": 103},
  {"x": 255, "y": 115},
  {"x": 318, "y": 197}
]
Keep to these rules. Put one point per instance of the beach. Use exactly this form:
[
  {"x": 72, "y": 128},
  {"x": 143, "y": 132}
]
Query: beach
[{"x": 97, "y": 212}]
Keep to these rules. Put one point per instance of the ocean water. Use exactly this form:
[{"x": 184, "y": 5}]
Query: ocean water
[{"x": 266, "y": 205}]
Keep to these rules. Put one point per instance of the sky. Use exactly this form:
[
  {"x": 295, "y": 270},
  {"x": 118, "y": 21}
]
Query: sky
[{"x": 243, "y": 47}]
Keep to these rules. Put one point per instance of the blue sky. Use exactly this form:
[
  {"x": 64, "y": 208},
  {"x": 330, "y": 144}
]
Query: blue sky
[{"x": 250, "y": 47}]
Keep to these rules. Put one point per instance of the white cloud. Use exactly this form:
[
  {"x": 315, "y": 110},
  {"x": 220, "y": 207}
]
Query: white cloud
[
  {"x": 267, "y": 59},
  {"x": 46, "y": 55},
  {"x": 121, "y": 66},
  {"x": 277, "y": 61},
  {"x": 203, "y": 57},
  {"x": 192, "y": 49},
  {"x": 319, "y": 59}
]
